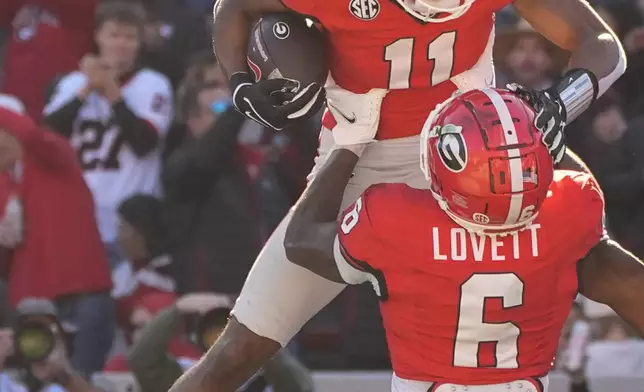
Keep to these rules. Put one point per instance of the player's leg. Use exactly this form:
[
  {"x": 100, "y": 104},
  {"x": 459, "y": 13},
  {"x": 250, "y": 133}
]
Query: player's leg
[{"x": 279, "y": 297}]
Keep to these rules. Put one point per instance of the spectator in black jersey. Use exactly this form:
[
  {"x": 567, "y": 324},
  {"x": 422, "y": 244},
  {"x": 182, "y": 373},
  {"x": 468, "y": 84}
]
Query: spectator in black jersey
[{"x": 115, "y": 114}]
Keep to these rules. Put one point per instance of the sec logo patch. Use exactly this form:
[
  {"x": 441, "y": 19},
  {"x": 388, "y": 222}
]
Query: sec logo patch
[
  {"x": 364, "y": 9},
  {"x": 480, "y": 218}
]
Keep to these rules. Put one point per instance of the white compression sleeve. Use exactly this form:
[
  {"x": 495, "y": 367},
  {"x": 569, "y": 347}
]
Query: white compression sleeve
[
  {"x": 279, "y": 297},
  {"x": 607, "y": 81}
]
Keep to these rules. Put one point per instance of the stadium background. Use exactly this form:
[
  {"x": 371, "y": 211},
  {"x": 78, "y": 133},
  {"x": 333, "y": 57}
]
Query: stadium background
[{"x": 265, "y": 171}]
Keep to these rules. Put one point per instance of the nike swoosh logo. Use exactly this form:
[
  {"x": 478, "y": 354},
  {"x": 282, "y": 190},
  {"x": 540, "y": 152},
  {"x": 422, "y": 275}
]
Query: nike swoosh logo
[{"x": 350, "y": 120}]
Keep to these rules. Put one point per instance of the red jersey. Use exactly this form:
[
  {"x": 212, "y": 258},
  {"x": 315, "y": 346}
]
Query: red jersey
[
  {"x": 469, "y": 309},
  {"x": 377, "y": 44},
  {"x": 62, "y": 252}
]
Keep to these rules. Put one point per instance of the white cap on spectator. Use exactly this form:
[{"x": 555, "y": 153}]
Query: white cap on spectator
[{"x": 12, "y": 103}]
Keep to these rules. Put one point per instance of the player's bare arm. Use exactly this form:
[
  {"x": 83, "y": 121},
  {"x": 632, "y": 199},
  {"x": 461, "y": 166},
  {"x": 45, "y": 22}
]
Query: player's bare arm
[
  {"x": 573, "y": 25},
  {"x": 234, "y": 358},
  {"x": 597, "y": 57},
  {"x": 597, "y": 61},
  {"x": 231, "y": 27},
  {"x": 313, "y": 228},
  {"x": 613, "y": 276}
]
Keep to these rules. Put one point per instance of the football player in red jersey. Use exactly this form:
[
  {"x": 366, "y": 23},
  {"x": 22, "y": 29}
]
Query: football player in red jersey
[
  {"x": 476, "y": 275},
  {"x": 392, "y": 62}
]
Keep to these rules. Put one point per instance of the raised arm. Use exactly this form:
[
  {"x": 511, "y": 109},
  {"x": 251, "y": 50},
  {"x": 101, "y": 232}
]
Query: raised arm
[
  {"x": 613, "y": 276},
  {"x": 311, "y": 234},
  {"x": 574, "y": 26},
  {"x": 314, "y": 238},
  {"x": 50, "y": 150},
  {"x": 597, "y": 61}
]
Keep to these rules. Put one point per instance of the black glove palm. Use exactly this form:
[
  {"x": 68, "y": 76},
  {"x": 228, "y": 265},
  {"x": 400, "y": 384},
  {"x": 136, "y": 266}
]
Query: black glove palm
[
  {"x": 550, "y": 118},
  {"x": 275, "y": 103}
]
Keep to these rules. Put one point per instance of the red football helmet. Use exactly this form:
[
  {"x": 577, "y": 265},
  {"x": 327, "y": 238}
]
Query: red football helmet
[{"x": 487, "y": 166}]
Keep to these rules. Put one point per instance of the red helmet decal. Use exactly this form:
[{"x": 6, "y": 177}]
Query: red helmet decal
[{"x": 257, "y": 72}]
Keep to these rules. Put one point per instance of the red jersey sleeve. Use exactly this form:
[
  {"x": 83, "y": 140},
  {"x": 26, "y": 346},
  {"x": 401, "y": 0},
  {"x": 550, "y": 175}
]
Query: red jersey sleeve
[
  {"x": 357, "y": 246},
  {"x": 306, "y": 7},
  {"x": 586, "y": 202}
]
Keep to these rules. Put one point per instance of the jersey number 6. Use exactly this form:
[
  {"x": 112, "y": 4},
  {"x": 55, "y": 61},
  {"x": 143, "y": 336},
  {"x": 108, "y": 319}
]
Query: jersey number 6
[
  {"x": 350, "y": 219},
  {"x": 400, "y": 55},
  {"x": 473, "y": 330}
]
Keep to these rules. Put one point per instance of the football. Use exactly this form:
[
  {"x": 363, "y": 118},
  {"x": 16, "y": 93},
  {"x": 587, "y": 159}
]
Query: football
[{"x": 287, "y": 45}]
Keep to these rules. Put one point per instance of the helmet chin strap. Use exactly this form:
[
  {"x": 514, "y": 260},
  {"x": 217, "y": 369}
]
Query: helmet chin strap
[
  {"x": 426, "y": 11},
  {"x": 419, "y": 6}
]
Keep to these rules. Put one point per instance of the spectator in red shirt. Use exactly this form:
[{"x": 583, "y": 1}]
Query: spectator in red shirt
[
  {"x": 60, "y": 256},
  {"x": 60, "y": 31}
]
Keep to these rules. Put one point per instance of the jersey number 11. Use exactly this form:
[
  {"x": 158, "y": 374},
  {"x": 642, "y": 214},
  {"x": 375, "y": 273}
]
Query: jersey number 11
[{"x": 400, "y": 55}]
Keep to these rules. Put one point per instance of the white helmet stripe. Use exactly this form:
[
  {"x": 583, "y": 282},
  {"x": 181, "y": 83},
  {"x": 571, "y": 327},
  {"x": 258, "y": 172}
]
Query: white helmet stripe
[{"x": 516, "y": 168}]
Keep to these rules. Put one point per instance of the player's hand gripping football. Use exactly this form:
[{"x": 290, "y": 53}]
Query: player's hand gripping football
[
  {"x": 357, "y": 115},
  {"x": 275, "y": 103},
  {"x": 550, "y": 118}
]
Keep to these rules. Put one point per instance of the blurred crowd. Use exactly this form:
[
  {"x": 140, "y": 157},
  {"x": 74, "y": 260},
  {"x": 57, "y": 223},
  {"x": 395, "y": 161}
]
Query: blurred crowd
[{"x": 134, "y": 198}]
